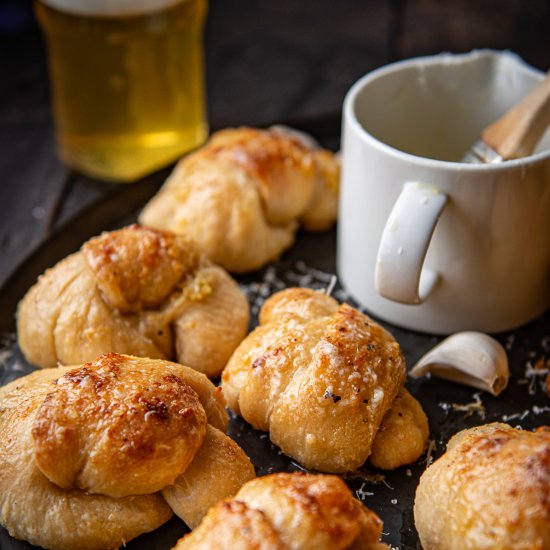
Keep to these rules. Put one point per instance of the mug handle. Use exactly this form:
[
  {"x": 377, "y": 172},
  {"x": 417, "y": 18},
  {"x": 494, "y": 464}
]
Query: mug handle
[{"x": 398, "y": 274}]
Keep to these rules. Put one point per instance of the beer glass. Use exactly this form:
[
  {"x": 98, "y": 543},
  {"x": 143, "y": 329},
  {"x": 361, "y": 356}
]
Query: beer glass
[{"x": 127, "y": 79}]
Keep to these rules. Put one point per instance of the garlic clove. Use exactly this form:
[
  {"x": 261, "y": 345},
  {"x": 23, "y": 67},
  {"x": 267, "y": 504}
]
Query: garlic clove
[{"x": 471, "y": 358}]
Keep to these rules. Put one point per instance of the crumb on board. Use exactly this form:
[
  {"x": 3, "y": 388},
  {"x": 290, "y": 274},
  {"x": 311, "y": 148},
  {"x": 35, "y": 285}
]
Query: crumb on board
[
  {"x": 361, "y": 493},
  {"x": 516, "y": 416},
  {"x": 432, "y": 446},
  {"x": 387, "y": 485},
  {"x": 474, "y": 407},
  {"x": 536, "y": 372},
  {"x": 331, "y": 285}
]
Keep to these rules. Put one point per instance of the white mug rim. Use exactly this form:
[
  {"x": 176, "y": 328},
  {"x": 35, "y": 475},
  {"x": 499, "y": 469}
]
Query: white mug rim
[{"x": 359, "y": 130}]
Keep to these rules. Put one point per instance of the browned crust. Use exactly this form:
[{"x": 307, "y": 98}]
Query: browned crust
[
  {"x": 136, "y": 291},
  {"x": 319, "y": 377},
  {"x": 274, "y": 180},
  {"x": 110, "y": 417},
  {"x": 288, "y": 510},
  {"x": 328, "y": 499},
  {"x": 232, "y": 524},
  {"x": 303, "y": 302},
  {"x": 138, "y": 267},
  {"x": 34, "y": 509},
  {"x": 491, "y": 489}
]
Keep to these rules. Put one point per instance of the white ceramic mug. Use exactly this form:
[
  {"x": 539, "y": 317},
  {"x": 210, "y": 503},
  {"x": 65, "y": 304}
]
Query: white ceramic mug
[{"x": 427, "y": 242}]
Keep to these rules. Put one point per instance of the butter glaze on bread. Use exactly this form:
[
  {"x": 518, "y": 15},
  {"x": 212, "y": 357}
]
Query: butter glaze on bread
[
  {"x": 111, "y": 417},
  {"x": 288, "y": 512},
  {"x": 34, "y": 509},
  {"x": 137, "y": 291},
  {"x": 84, "y": 451},
  {"x": 243, "y": 195},
  {"x": 490, "y": 490},
  {"x": 322, "y": 378}
]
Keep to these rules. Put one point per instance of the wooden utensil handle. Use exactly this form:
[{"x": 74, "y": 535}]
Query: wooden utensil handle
[{"x": 517, "y": 133}]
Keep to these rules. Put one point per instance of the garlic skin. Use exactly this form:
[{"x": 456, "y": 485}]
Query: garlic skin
[{"x": 470, "y": 358}]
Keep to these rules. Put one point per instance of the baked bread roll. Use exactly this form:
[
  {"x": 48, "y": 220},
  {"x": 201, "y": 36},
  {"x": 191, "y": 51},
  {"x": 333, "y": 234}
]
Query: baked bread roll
[
  {"x": 322, "y": 378},
  {"x": 243, "y": 195},
  {"x": 84, "y": 451},
  {"x": 137, "y": 291},
  {"x": 219, "y": 469},
  {"x": 490, "y": 490},
  {"x": 288, "y": 512},
  {"x": 402, "y": 435}
]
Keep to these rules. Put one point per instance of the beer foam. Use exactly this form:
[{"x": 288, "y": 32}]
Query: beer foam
[{"x": 109, "y": 8}]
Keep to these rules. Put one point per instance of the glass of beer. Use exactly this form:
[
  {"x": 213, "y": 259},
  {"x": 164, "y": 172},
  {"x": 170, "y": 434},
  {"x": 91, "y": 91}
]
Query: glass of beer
[{"x": 127, "y": 79}]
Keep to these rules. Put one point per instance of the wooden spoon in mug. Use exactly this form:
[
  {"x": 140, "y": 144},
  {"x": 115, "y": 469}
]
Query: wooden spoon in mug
[{"x": 515, "y": 134}]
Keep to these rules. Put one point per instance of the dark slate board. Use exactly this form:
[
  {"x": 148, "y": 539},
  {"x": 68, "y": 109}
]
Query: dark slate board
[{"x": 311, "y": 262}]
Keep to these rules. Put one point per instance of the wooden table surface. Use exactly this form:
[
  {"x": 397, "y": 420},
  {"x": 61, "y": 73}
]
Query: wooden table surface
[{"x": 266, "y": 61}]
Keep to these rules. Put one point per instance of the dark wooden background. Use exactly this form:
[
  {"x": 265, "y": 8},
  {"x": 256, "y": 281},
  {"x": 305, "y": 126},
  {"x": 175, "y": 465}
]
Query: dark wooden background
[{"x": 267, "y": 60}]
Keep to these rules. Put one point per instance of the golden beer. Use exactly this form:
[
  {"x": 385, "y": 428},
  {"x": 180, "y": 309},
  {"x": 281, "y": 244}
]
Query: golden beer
[{"x": 127, "y": 78}]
